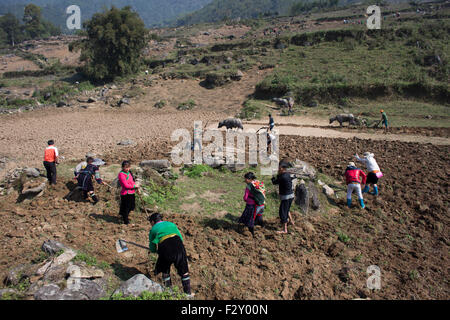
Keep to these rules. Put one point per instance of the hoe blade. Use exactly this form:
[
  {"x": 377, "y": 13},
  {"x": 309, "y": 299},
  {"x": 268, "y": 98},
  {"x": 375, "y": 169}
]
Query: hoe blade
[{"x": 121, "y": 246}]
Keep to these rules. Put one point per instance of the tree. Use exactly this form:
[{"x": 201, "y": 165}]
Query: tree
[
  {"x": 32, "y": 20},
  {"x": 114, "y": 44},
  {"x": 11, "y": 27}
]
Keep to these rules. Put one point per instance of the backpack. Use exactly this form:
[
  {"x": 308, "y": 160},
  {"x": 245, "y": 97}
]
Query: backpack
[{"x": 258, "y": 191}]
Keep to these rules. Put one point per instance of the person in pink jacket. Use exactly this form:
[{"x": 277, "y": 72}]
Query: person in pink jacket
[{"x": 127, "y": 194}]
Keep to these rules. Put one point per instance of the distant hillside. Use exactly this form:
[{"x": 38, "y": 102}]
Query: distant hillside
[
  {"x": 152, "y": 12},
  {"x": 219, "y": 10}
]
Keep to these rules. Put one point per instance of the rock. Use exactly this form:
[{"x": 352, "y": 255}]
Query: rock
[
  {"x": 67, "y": 256},
  {"x": 329, "y": 192},
  {"x": 125, "y": 143},
  {"x": 302, "y": 197},
  {"x": 138, "y": 284},
  {"x": 47, "y": 292},
  {"x": 52, "y": 247},
  {"x": 302, "y": 170},
  {"x": 91, "y": 100},
  {"x": 47, "y": 96},
  {"x": 429, "y": 117},
  {"x": 32, "y": 172},
  {"x": 311, "y": 104},
  {"x": 61, "y": 104},
  {"x": 83, "y": 272},
  {"x": 124, "y": 101},
  {"x": 33, "y": 188},
  {"x": 55, "y": 273},
  {"x": 238, "y": 75},
  {"x": 159, "y": 165},
  {"x": 17, "y": 274},
  {"x": 314, "y": 196},
  {"x": 88, "y": 288}
]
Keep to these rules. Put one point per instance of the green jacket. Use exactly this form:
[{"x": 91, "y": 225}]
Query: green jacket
[
  {"x": 160, "y": 230},
  {"x": 384, "y": 116}
]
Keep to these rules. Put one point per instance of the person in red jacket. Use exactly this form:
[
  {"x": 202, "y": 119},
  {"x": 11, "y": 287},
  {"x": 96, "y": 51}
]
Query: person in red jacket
[{"x": 354, "y": 177}]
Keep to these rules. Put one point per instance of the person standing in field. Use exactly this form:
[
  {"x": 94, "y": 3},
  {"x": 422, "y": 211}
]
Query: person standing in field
[
  {"x": 271, "y": 122},
  {"x": 384, "y": 120},
  {"x": 284, "y": 180},
  {"x": 254, "y": 198},
  {"x": 127, "y": 194},
  {"x": 51, "y": 157}
]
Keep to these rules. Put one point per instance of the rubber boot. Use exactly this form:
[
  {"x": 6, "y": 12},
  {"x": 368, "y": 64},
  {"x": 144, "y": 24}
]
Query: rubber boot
[
  {"x": 186, "y": 282},
  {"x": 361, "y": 202},
  {"x": 366, "y": 189},
  {"x": 375, "y": 191},
  {"x": 94, "y": 197},
  {"x": 252, "y": 230},
  {"x": 349, "y": 203},
  {"x": 167, "y": 282}
]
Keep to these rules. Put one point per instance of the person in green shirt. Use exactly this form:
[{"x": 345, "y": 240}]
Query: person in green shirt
[
  {"x": 384, "y": 120},
  {"x": 166, "y": 239}
]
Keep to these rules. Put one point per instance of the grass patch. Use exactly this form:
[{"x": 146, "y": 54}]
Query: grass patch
[
  {"x": 343, "y": 237},
  {"x": 174, "y": 294},
  {"x": 188, "y": 105}
]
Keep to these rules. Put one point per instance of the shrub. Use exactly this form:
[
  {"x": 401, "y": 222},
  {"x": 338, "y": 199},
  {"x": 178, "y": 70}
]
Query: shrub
[
  {"x": 117, "y": 34},
  {"x": 188, "y": 105},
  {"x": 196, "y": 171}
]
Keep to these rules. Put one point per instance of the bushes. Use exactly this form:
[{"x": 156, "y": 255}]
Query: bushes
[
  {"x": 196, "y": 171},
  {"x": 250, "y": 110},
  {"x": 188, "y": 105},
  {"x": 117, "y": 34}
]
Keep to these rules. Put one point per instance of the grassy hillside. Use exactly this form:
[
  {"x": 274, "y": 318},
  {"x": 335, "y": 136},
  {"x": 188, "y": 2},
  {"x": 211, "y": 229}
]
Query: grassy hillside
[{"x": 410, "y": 59}]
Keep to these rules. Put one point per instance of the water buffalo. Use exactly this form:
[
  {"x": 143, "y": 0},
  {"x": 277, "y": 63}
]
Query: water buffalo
[
  {"x": 344, "y": 117},
  {"x": 231, "y": 123}
]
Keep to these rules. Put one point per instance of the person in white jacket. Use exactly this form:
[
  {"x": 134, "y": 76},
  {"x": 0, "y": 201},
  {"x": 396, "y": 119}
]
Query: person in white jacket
[{"x": 374, "y": 172}]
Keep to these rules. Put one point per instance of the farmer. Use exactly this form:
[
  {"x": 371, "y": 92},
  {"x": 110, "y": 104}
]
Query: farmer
[
  {"x": 83, "y": 164},
  {"x": 166, "y": 239},
  {"x": 271, "y": 122},
  {"x": 374, "y": 172},
  {"x": 84, "y": 179},
  {"x": 284, "y": 180},
  {"x": 127, "y": 194},
  {"x": 384, "y": 120},
  {"x": 352, "y": 178},
  {"x": 254, "y": 197},
  {"x": 51, "y": 156}
]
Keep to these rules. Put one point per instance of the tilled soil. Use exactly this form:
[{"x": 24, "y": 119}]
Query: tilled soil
[{"x": 404, "y": 231}]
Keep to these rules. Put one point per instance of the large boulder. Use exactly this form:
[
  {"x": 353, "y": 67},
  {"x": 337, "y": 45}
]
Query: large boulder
[
  {"x": 34, "y": 187},
  {"x": 84, "y": 272},
  {"x": 32, "y": 172},
  {"x": 158, "y": 165},
  {"x": 302, "y": 197},
  {"x": 88, "y": 288},
  {"x": 138, "y": 284},
  {"x": 314, "y": 196}
]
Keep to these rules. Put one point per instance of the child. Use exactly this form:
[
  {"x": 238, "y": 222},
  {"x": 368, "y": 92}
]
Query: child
[
  {"x": 254, "y": 197},
  {"x": 354, "y": 177}
]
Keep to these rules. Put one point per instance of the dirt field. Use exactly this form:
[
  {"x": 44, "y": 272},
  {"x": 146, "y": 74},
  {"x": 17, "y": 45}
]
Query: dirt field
[{"x": 404, "y": 232}]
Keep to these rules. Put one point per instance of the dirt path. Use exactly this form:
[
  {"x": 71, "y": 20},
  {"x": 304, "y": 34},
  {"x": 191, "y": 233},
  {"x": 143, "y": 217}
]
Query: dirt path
[{"x": 314, "y": 127}]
